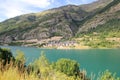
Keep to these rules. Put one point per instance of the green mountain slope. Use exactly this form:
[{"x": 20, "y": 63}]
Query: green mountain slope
[
  {"x": 61, "y": 21},
  {"x": 110, "y": 12},
  {"x": 102, "y": 30},
  {"x": 66, "y": 21}
]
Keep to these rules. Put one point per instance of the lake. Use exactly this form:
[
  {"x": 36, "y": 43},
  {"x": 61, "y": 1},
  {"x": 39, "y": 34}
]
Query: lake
[{"x": 92, "y": 60}]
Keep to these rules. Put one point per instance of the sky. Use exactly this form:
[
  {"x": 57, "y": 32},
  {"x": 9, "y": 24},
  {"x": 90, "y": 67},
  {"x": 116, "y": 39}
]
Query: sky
[{"x": 12, "y": 8}]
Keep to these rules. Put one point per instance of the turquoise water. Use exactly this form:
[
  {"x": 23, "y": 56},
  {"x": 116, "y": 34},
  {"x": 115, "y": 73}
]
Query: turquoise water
[{"x": 92, "y": 60}]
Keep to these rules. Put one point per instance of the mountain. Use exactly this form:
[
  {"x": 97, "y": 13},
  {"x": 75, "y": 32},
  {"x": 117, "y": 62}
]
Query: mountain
[
  {"x": 66, "y": 21},
  {"x": 97, "y": 5},
  {"x": 102, "y": 29},
  {"x": 108, "y": 13}
]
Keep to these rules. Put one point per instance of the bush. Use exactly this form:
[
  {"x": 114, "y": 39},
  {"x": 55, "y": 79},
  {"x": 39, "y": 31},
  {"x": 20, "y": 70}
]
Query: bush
[
  {"x": 107, "y": 75},
  {"x": 67, "y": 66}
]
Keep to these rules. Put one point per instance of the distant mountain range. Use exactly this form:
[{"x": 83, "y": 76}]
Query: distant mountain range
[{"x": 66, "y": 21}]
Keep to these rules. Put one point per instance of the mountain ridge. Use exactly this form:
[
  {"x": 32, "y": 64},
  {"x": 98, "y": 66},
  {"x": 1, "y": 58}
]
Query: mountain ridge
[{"x": 65, "y": 21}]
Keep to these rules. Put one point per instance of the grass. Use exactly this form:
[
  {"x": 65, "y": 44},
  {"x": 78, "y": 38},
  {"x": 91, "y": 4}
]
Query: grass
[{"x": 13, "y": 73}]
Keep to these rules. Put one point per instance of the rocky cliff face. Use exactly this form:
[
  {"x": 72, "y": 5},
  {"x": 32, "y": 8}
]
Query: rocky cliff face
[
  {"x": 110, "y": 12},
  {"x": 64, "y": 21}
]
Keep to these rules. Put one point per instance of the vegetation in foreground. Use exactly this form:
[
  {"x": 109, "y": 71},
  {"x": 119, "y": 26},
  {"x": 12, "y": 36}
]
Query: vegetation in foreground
[{"x": 14, "y": 68}]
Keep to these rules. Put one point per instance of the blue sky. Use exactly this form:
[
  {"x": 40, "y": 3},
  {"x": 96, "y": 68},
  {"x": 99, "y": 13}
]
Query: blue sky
[{"x": 12, "y": 8}]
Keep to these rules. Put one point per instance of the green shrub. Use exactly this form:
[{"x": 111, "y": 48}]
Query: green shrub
[
  {"x": 67, "y": 66},
  {"x": 107, "y": 75}
]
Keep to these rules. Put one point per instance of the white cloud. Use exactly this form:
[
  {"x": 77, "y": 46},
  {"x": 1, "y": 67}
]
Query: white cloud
[
  {"x": 12, "y": 8},
  {"x": 1, "y": 19},
  {"x": 72, "y": 1},
  {"x": 38, "y": 3},
  {"x": 78, "y": 2}
]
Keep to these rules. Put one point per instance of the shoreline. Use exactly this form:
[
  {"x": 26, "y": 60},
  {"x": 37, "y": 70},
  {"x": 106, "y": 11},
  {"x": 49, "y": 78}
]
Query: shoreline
[{"x": 58, "y": 48}]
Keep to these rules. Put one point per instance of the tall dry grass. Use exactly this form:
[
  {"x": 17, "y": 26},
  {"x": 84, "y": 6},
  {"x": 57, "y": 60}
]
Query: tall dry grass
[{"x": 12, "y": 72}]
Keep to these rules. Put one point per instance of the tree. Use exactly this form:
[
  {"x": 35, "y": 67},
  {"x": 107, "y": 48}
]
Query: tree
[
  {"x": 41, "y": 66},
  {"x": 20, "y": 60},
  {"x": 20, "y": 57},
  {"x": 5, "y": 55}
]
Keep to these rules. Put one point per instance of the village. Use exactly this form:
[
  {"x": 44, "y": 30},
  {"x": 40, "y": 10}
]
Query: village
[{"x": 59, "y": 44}]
